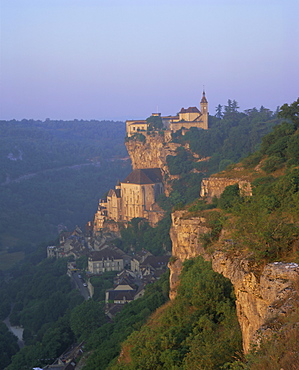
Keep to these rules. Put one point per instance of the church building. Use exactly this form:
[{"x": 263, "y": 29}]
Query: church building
[
  {"x": 135, "y": 196},
  {"x": 186, "y": 118}
]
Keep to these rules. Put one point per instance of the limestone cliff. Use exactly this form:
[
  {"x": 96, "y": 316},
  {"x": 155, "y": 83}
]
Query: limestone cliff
[
  {"x": 263, "y": 293},
  {"x": 152, "y": 153}
]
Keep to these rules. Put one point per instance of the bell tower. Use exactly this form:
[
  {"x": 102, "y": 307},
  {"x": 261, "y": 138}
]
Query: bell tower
[{"x": 204, "y": 110}]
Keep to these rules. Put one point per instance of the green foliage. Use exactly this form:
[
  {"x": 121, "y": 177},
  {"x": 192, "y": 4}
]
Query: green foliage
[
  {"x": 290, "y": 112},
  {"x": 231, "y": 138},
  {"x": 281, "y": 145},
  {"x": 101, "y": 284},
  {"x": 138, "y": 137},
  {"x": 8, "y": 345},
  {"x": 155, "y": 122},
  {"x": 86, "y": 318},
  {"x": 252, "y": 160},
  {"x": 53, "y": 173},
  {"x": 215, "y": 222},
  {"x": 201, "y": 205},
  {"x": 82, "y": 263},
  {"x": 186, "y": 189},
  {"x": 42, "y": 298},
  {"x": 267, "y": 223},
  {"x": 272, "y": 164},
  {"x": 105, "y": 341},
  {"x": 139, "y": 234},
  {"x": 181, "y": 163},
  {"x": 199, "y": 329},
  {"x": 53, "y": 342},
  {"x": 230, "y": 197}
]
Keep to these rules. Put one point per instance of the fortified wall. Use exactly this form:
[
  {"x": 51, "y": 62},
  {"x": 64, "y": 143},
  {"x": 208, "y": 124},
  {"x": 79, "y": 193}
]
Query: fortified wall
[{"x": 214, "y": 186}]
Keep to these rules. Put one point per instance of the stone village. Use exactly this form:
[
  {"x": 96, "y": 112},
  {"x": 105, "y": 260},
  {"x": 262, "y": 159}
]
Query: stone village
[{"x": 134, "y": 197}]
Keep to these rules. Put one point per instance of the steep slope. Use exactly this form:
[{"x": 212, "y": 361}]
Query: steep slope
[
  {"x": 262, "y": 292},
  {"x": 259, "y": 238},
  {"x": 252, "y": 238}
]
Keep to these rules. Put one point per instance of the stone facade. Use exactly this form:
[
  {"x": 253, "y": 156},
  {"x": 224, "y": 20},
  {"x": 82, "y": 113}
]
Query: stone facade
[
  {"x": 214, "y": 186},
  {"x": 105, "y": 260},
  {"x": 134, "y": 197},
  {"x": 135, "y": 127}
]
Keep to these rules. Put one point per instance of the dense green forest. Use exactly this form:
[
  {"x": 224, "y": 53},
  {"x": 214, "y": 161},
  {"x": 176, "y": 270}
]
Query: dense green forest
[{"x": 52, "y": 174}]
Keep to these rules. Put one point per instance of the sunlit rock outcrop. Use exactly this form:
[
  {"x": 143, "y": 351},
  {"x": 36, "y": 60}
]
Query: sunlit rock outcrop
[{"x": 263, "y": 293}]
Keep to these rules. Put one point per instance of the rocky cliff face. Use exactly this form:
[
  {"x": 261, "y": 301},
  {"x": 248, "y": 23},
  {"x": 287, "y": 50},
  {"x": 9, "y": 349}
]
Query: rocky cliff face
[
  {"x": 184, "y": 234},
  {"x": 263, "y": 293},
  {"x": 152, "y": 153}
]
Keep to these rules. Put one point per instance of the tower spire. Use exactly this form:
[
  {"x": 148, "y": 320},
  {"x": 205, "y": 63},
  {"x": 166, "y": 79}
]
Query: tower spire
[{"x": 204, "y": 108}]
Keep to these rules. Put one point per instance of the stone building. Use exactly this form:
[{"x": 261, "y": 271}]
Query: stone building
[
  {"x": 139, "y": 192},
  {"x": 135, "y": 196},
  {"x": 186, "y": 118},
  {"x": 105, "y": 260}
]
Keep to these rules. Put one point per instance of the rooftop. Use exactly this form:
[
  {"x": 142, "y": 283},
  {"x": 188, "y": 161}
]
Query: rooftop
[
  {"x": 190, "y": 110},
  {"x": 144, "y": 176}
]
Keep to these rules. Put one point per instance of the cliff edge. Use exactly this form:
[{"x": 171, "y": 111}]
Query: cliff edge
[{"x": 263, "y": 293}]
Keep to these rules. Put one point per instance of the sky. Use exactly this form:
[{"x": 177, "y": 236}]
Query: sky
[{"x": 126, "y": 59}]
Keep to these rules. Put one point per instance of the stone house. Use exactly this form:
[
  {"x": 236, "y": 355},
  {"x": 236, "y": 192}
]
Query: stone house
[
  {"x": 154, "y": 266},
  {"x": 138, "y": 259},
  {"x": 133, "y": 127},
  {"x": 105, "y": 260}
]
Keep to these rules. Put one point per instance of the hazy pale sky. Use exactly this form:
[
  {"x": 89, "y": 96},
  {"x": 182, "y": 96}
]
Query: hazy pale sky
[{"x": 125, "y": 59}]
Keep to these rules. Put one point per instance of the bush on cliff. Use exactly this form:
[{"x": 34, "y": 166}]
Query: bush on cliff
[{"x": 198, "y": 329}]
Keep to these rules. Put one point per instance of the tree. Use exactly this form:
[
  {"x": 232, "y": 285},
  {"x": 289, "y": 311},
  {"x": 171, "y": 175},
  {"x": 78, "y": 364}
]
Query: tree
[
  {"x": 155, "y": 122},
  {"x": 231, "y": 110},
  {"x": 219, "y": 113},
  {"x": 290, "y": 112},
  {"x": 86, "y": 318}
]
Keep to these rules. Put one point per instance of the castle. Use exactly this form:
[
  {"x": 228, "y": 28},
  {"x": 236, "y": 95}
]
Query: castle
[
  {"x": 186, "y": 118},
  {"x": 136, "y": 196}
]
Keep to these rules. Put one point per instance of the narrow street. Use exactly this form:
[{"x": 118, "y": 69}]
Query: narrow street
[{"x": 79, "y": 285}]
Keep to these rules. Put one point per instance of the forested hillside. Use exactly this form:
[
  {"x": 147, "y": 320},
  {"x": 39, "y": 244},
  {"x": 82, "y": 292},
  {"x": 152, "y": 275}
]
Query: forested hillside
[
  {"x": 52, "y": 174},
  {"x": 232, "y": 135},
  {"x": 192, "y": 329}
]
